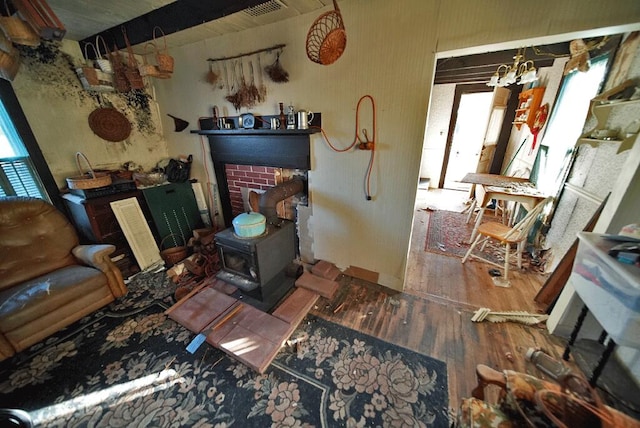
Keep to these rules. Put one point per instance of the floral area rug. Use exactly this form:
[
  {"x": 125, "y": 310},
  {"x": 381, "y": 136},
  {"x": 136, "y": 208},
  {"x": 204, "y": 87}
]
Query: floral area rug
[
  {"x": 448, "y": 233},
  {"x": 127, "y": 366}
]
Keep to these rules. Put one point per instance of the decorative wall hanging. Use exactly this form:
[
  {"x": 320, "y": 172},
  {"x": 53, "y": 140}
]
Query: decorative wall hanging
[
  {"x": 109, "y": 124},
  {"x": 327, "y": 38},
  {"x": 275, "y": 70}
]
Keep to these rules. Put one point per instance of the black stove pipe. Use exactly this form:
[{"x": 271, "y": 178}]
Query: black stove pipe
[{"x": 275, "y": 194}]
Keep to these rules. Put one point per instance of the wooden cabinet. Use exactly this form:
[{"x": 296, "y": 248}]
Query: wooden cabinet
[
  {"x": 528, "y": 104},
  {"x": 96, "y": 223},
  {"x": 603, "y": 106}
]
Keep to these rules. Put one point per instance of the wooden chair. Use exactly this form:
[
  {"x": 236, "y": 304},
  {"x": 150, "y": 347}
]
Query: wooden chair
[
  {"x": 520, "y": 403},
  {"x": 506, "y": 236}
]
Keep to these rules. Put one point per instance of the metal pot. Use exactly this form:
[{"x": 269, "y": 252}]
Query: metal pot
[{"x": 249, "y": 225}]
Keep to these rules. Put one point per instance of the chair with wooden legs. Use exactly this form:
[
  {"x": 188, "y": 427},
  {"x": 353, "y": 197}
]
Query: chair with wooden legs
[{"x": 507, "y": 236}]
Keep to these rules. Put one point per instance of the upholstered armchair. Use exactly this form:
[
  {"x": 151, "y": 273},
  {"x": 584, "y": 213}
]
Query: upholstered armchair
[{"x": 47, "y": 280}]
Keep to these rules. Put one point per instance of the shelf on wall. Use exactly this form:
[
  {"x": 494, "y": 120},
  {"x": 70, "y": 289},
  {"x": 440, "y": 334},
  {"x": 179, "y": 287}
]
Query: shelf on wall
[{"x": 625, "y": 143}]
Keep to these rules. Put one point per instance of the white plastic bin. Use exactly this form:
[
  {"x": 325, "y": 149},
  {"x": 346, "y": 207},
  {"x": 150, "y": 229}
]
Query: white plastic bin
[{"x": 610, "y": 289}]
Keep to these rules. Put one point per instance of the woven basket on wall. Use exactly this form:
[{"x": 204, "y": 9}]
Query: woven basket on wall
[{"x": 327, "y": 38}]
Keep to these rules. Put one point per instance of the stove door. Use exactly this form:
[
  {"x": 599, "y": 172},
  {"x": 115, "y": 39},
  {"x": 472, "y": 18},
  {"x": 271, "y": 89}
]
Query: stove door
[{"x": 239, "y": 263}]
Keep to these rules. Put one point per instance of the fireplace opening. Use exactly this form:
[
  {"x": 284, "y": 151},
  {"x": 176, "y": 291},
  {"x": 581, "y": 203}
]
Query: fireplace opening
[{"x": 244, "y": 179}]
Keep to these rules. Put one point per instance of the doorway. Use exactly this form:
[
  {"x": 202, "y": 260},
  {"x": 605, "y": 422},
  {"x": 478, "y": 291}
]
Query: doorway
[{"x": 469, "y": 118}]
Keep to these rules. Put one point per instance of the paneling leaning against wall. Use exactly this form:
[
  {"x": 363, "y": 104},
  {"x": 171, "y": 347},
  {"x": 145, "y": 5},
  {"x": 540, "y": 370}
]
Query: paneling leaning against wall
[{"x": 57, "y": 108}]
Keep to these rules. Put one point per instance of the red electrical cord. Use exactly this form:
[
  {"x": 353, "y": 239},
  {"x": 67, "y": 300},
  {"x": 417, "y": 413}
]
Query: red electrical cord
[{"x": 363, "y": 144}]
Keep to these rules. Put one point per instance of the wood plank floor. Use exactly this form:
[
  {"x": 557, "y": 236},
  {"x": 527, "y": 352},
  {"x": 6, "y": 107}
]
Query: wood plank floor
[{"x": 433, "y": 314}]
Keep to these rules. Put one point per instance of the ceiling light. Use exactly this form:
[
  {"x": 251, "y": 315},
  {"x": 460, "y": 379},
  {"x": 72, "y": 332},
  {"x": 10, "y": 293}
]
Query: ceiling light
[{"x": 521, "y": 72}]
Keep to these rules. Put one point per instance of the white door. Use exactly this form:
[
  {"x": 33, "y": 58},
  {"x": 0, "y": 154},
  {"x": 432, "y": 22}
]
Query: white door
[
  {"x": 496, "y": 117},
  {"x": 467, "y": 138}
]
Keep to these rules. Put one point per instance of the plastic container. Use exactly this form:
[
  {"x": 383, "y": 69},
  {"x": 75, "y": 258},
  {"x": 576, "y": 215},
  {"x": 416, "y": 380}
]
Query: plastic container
[
  {"x": 610, "y": 289},
  {"x": 546, "y": 364}
]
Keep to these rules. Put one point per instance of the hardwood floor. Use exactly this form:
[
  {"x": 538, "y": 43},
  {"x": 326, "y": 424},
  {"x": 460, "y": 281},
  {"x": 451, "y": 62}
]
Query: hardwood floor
[{"x": 433, "y": 314}]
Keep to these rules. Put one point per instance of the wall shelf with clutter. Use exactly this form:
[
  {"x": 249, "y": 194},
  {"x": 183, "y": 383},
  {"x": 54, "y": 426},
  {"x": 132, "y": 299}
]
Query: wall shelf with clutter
[
  {"x": 623, "y": 96},
  {"x": 237, "y": 125},
  {"x": 528, "y": 103}
]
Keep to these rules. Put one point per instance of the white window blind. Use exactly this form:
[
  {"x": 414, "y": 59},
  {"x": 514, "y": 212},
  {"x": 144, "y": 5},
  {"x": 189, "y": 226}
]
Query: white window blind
[{"x": 18, "y": 178}]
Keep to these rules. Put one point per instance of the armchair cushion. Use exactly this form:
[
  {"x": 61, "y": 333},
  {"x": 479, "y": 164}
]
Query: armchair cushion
[{"x": 29, "y": 300}]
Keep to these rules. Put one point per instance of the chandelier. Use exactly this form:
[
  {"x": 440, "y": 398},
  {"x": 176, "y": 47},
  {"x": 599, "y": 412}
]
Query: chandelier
[{"x": 522, "y": 71}]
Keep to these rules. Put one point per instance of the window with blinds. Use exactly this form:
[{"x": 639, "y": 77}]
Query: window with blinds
[{"x": 18, "y": 178}]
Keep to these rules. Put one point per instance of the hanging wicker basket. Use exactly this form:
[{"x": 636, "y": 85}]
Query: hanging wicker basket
[
  {"x": 327, "y": 38},
  {"x": 173, "y": 255},
  {"x": 17, "y": 30},
  {"x": 89, "y": 180},
  {"x": 131, "y": 70},
  {"x": 103, "y": 62},
  {"x": 165, "y": 61}
]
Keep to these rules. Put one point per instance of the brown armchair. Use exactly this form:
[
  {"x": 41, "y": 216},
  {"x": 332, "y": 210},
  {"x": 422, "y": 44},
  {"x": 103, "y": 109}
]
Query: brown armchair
[{"x": 47, "y": 280}]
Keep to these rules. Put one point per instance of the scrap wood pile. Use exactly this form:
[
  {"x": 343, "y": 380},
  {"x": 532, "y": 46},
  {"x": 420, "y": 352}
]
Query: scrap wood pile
[{"x": 203, "y": 263}]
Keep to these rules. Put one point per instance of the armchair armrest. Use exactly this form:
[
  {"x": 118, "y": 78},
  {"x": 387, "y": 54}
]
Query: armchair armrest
[
  {"x": 97, "y": 256},
  {"x": 487, "y": 376}
]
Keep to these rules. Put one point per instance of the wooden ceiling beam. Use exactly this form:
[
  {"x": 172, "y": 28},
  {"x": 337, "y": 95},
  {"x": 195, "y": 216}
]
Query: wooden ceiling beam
[{"x": 174, "y": 17}]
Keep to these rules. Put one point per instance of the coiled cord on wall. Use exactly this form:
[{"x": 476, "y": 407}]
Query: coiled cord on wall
[{"x": 363, "y": 143}]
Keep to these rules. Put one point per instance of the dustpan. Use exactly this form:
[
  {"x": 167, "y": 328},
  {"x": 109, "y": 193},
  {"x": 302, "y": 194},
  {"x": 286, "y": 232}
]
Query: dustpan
[{"x": 179, "y": 124}]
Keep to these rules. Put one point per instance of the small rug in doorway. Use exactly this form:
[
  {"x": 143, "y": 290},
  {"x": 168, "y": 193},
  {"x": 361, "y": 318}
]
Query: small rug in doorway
[
  {"x": 127, "y": 365},
  {"x": 448, "y": 233}
]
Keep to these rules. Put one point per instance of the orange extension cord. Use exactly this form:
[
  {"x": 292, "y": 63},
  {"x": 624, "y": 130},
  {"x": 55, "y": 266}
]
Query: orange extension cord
[{"x": 363, "y": 144}]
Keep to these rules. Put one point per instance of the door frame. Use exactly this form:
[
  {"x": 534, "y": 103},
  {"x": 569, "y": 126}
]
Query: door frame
[{"x": 460, "y": 90}]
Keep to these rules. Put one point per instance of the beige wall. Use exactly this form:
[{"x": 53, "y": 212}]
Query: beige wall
[{"x": 390, "y": 55}]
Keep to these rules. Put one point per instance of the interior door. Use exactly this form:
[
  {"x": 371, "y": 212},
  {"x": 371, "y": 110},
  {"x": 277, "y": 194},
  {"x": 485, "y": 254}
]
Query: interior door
[
  {"x": 467, "y": 128},
  {"x": 496, "y": 117}
]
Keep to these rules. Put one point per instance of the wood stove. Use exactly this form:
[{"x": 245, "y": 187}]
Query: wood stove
[{"x": 258, "y": 266}]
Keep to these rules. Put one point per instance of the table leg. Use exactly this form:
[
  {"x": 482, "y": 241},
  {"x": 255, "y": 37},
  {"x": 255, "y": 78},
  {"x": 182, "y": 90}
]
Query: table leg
[
  {"x": 477, "y": 225},
  {"x": 471, "y": 209},
  {"x": 574, "y": 333},
  {"x": 611, "y": 346}
]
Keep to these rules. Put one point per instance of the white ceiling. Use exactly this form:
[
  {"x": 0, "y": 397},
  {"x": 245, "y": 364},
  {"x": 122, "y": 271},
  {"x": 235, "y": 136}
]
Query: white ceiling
[{"x": 85, "y": 18}]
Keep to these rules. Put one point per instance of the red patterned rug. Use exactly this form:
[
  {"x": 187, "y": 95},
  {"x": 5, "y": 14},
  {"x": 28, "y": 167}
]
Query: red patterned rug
[{"x": 448, "y": 232}]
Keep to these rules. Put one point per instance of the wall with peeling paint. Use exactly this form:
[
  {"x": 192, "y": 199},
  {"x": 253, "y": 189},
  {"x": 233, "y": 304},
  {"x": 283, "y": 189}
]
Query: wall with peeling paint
[{"x": 57, "y": 108}]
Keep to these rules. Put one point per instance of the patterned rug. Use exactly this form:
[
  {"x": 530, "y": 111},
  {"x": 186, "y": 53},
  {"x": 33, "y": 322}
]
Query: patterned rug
[
  {"x": 448, "y": 233},
  {"x": 127, "y": 365}
]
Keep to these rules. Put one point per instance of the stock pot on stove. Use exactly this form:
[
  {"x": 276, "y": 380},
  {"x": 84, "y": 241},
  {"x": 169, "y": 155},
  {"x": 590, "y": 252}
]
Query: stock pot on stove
[{"x": 249, "y": 225}]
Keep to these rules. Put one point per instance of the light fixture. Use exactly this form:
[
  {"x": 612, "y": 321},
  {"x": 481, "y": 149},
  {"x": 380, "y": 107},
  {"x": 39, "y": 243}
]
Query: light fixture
[{"x": 522, "y": 71}]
